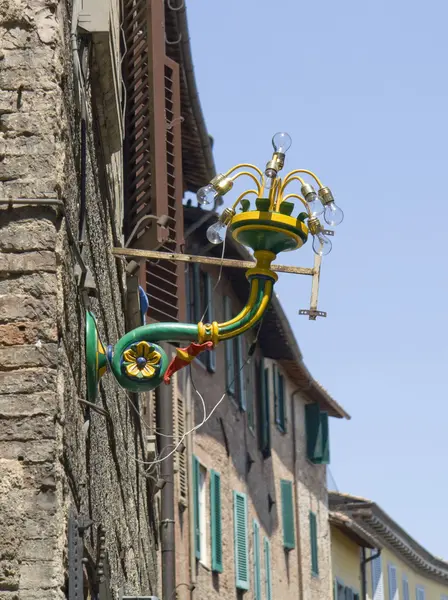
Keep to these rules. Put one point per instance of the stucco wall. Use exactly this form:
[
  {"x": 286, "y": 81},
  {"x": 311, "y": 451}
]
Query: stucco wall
[
  {"x": 291, "y": 571},
  {"x": 55, "y": 453},
  {"x": 345, "y": 555}
]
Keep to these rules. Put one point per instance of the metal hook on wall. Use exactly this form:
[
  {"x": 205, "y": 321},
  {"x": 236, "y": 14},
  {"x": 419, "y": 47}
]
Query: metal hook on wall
[{"x": 170, "y": 124}]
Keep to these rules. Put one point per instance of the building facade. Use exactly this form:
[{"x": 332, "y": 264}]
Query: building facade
[
  {"x": 375, "y": 559},
  {"x": 254, "y": 519}
]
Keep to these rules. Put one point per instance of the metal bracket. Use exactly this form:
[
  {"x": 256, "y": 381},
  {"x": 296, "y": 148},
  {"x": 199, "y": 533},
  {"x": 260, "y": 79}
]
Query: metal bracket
[
  {"x": 328, "y": 232},
  {"x": 103, "y": 567},
  {"x": 313, "y": 313},
  {"x": 77, "y": 525}
]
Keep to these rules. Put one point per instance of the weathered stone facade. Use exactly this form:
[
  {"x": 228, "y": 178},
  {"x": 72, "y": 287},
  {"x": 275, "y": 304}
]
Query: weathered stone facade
[{"x": 56, "y": 453}]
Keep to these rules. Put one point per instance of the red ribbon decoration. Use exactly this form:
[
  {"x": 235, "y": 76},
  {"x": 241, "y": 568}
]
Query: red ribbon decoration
[{"x": 184, "y": 358}]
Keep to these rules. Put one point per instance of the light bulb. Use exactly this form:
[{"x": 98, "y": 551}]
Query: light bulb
[
  {"x": 216, "y": 233},
  {"x": 206, "y": 194},
  {"x": 315, "y": 205},
  {"x": 281, "y": 142},
  {"x": 268, "y": 179},
  {"x": 333, "y": 215},
  {"x": 321, "y": 244}
]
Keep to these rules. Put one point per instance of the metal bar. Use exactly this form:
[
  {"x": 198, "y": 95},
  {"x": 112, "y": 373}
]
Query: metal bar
[{"x": 207, "y": 260}]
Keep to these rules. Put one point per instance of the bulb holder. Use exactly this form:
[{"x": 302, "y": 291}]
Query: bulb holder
[
  {"x": 308, "y": 192},
  {"x": 226, "y": 216},
  {"x": 276, "y": 163},
  {"x": 222, "y": 184},
  {"x": 314, "y": 225},
  {"x": 325, "y": 195}
]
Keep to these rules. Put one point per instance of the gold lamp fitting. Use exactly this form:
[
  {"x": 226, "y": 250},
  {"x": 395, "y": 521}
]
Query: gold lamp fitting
[
  {"x": 314, "y": 225},
  {"x": 325, "y": 195},
  {"x": 308, "y": 192},
  {"x": 275, "y": 164},
  {"x": 227, "y": 215},
  {"x": 222, "y": 184}
]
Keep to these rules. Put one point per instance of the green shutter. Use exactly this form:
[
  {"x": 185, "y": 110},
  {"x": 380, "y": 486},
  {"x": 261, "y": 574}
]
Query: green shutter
[
  {"x": 275, "y": 391},
  {"x": 250, "y": 395},
  {"x": 197, "y": 533},
  {"x": 229, "y": 350},
  {"x": 264, "y": 412},
  {"x": 267, "y": 569},
  {"x": 240, "y": 373},
  {"x": 215, "y": 521},
  {"x": 240, "y": 538},
  {"x": 287, "y": 515},
  {"x": 211, "y": 354},
  {"x": 257, "y": 565},
  {"x": 313, "y": 543},
  {"x": 281, "y": 402},
  {"x": 317, "y": 435}
]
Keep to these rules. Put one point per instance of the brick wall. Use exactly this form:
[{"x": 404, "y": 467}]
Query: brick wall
[{"x": 55, "y": 453}]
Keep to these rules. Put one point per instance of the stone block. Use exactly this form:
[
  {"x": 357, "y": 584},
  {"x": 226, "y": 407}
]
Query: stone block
[
  {"x": 39, "y": 575},
  {"x": 17, "y": 357},
  {"x": 27, "y": 428},
  {"x": 34, "y": 284},
  {"x": 28, "y": 332},
  {"x": 19, "y": 307},
  {"x": 29, "y": 451},
  {"x": 27, "y": 234},
  {"x": 23, "y": 405},
  {"x": 28, "y": 262},
  {"x": 27, "y": 381}
]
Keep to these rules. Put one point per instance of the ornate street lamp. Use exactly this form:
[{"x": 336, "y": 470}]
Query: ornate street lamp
[{"x": 268, "y": 227}]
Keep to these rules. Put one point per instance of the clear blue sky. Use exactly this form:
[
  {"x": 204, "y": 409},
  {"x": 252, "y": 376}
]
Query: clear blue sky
[{"x": 362, "y": 88}]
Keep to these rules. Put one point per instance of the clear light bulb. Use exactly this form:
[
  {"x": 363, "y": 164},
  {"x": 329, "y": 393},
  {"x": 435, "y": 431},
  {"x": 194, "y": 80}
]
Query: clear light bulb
[
  {"x": 206, "y": 194},
  {"x": 333, "y": 215},
  {"x": 281, "y": 142},
  {"x": 314, "y": 203},
  {"x": 321, "y": 244},
  {"x": 216, "y": 233}
]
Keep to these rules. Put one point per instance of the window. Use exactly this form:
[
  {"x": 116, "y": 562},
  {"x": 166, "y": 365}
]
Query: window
[
  {"x": 200, "y": 307},
  {"x": 339, "y": 589},
  {"x": 215, "y": 521},
  {"x": 420, "y": 592},
  {"x": 377, "y": 577},
  {"x": 200, "y": 515},
  {"x": 249, "y": 373},
  {"x": 235, "y": 353},
  {"x": 267, "y": 569},
  {"x": 393, "y": 586},
  {"x": 229, "y": 351},
  {"x": 257, "y": 565},
  {"x": 240, "y": 539},
  {"x": 406, "y": 589},
  {"x": 278, "y": 382},
  {"x": 314, "y": 545},
  {"x": 317, "y": 435},
  {"x": 240, "y": 375},
  {"x": 287, "y": 515},
  {"x": 264, "y": 426}
]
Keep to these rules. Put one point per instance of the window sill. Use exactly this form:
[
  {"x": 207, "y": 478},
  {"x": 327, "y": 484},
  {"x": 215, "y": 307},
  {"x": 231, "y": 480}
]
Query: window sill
[
  {"x": 204, "y": 566},
  {"x": 281, "y": 429}
]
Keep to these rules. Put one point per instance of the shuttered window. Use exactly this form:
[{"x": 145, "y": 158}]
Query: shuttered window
[
  {"x": 287, "y": 515},
  {"x": 250, "y": 392},
  {"x": 210, "y": 355},
  {"x": 278, "y": 382},
  {"x": 229, "y": 351},
  {"x": 264, "y": 426},
  {"x": 240, "y": 372},
  {"x": 377, "y": 578},
  {"x": 197, "y": 531},
  {"x": 348, "y": 593},
  {"x": 406, "y": 589},
  {"x": 317, "y": 435},
  {"x": 420, "y": 592},
  {"x": 393, "y": 585},
  {"x": 267, "y": 569},
  {"x": 180, "y": 458},
  {"x": 241, "y": 542},
  {"x": 257, "y": 565},
  {"x": 215, "y": 521},
  {"x": 201, "y": 307},
  {"x": 314, "y": 545},
  {"x": 339, "y": 589},
  {"x": 153, "y": 182}
]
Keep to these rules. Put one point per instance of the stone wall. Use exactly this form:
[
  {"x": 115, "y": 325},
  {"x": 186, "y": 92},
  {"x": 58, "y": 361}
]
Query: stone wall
[{"x": 55, "y": 452}]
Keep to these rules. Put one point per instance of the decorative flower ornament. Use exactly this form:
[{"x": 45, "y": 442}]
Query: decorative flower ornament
[{"x": 141, "y": 361}]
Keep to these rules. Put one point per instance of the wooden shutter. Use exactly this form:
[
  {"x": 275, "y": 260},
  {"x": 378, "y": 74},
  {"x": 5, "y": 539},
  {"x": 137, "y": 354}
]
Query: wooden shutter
[
  {"x": 196, "y": 293},
  {"x": 229, "y": 350},
  {"x": 264, "y": 425},
  {"x": 267, "y": 569},
  {"x": 180, "y": 458},
  {"x": 249, "y": 370},
  {"x": 314, "y": 545},
  {"x": 240, "y": 373},
  {"x": 406, "y": 589},
  {"x": 275, "y": 391},
  {"x": 210, "y": 354},
  {"x": 257, "y": 565},
  {"x": 348, "y": 593},
  {"x": 420, "y": 592},
  {"x": 317, "y": 435},
  {"x": 287, "y": 515},
  {"x": 152, "y": 153},
  {"x": 377, "y": 578},
  {"x": 197, "y": 532},
  {"x": 324, "y": 423},
  {"x": 393, "y": 586},
  {"x": 240, "y": 537},
  {"x": 281, "y": 402},
  {"x": 215, "y": 521}
]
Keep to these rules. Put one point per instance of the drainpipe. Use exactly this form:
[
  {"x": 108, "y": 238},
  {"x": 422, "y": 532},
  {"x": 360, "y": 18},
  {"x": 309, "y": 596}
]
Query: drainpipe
[
  {"x": 189, "y": 418},
  {"x": 167, "y": 522},
  {"x": 363, "y": 565},
  {"x": 296, "y": 494}
]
